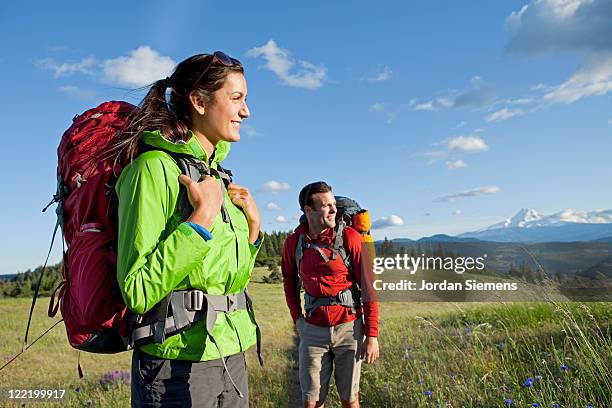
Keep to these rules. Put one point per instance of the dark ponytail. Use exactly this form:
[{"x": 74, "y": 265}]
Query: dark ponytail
[{"x": 198, "y": 73}]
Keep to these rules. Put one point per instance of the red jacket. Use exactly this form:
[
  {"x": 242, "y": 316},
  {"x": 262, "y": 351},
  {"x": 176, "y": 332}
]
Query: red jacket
[{"x": 323, "y": 279}]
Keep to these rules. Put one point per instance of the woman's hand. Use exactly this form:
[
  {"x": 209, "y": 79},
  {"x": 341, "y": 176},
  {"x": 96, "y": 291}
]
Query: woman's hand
[
  {"x": 242, "y": 198},
  {"x": 205, "y": 197}
]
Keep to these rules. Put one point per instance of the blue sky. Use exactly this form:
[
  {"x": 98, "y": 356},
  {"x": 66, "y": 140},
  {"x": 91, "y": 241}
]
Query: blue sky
[{"x": 440, "y": 117}]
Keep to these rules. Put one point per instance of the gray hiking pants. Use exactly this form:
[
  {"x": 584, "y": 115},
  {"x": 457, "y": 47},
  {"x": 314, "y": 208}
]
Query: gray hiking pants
[{"x": 157, "y": 382}]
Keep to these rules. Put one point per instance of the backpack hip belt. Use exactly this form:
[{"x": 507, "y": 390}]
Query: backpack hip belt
[
  {"x": 350, "y": 298},
  {"x": 187, "y": 307}
]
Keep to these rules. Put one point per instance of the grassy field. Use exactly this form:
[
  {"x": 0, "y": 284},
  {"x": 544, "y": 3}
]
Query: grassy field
[{"x": 432, "y": 354}]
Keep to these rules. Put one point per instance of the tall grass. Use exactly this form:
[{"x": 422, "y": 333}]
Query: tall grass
[{"x": 432, "y": 354}]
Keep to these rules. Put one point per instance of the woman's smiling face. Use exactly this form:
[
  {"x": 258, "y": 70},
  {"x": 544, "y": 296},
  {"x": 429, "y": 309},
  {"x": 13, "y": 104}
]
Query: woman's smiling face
[{"x": 223, "y": 115}]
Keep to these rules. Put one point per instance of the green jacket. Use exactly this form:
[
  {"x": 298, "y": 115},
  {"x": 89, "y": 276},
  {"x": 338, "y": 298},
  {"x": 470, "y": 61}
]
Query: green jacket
[{"x": 158, "y": 253}]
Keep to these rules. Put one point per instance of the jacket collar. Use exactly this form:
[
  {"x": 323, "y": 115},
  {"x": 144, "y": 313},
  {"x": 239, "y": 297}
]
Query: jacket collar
[{"x": 191, "y": 148}]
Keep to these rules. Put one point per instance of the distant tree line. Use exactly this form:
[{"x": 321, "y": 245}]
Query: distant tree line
[
  {"x": 270, "y": 255},
  {"x": 24, "y": 283},
  {"x": 271, "y": 249}
]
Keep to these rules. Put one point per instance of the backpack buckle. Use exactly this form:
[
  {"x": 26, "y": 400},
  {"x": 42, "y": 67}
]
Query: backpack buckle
[
  {"x": 194, "y": 299},
  {"x": 232, "y": 302}
]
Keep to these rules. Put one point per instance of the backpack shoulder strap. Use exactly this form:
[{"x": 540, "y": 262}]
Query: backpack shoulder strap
[
  {"x": 299, "y": 253},
  {"x": 195, "y": 169},
  {"x": 339, "y": 247}
]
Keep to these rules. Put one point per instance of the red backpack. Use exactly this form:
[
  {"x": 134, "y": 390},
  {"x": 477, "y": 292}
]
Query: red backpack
[
  {"x": 90, "y": 301},
  {"x": 95, "y": 316}
]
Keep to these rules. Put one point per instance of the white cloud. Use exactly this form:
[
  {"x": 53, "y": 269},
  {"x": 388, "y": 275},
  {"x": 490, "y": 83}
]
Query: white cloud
[
  {"x": 85, "y": 66},
  {"x": 539, "y": 87},
  {"x": 274, "y": 186},
  {"x": 457, "y": 212},
  {"x": 140, "y": 67},
  {"x": 433, "y": 157},
  {"x": 478, "y": 94},
  {"x": 377, "y": 107},
  {"x": 77, "y": 92},
  {"x": 594, "y": 77},
  {"x": 280, "y": 218},
  {"x": 273, "y": 206},
  {"x": 381, "y": 108},
  {"x": 381, "y": 76},
  {"x": 461, "y": 124},
  {"x": 435, "y": 105},
  {"x": 554, "y": 25},
  {"x": 457, "y": 164},
  {"x": 525, "y": 101},
  {"x": 579, "y": 26},
  {"x": 610, "y": 121},
  {"x": 426, "y": 106},
  {"x": 279, "y": 61},
  {"x": 250, "y": 130},
  {"x": 469, "y": 144},
  {"x": 513, "y": 21},
  {"x": 470, "y": 193},
  {"x": 503, "y": 114},
  {"x": 390, "y": 221},
  {"x": 464, "y": 144}
]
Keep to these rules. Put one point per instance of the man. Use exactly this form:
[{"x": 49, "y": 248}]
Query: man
[{"x": 330, "y": 334}]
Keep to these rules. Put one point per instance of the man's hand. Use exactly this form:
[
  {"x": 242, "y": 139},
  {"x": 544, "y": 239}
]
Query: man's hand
[{"x": 370, "y": 350}]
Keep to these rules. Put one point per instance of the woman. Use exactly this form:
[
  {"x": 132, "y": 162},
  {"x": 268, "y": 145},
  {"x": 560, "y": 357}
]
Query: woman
[{"x": 174, "y": 269}]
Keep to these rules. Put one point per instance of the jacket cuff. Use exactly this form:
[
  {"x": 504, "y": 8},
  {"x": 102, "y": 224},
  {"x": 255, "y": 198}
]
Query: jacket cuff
[
  {"x": 257, "y": 244},
  {"x": 203, "y": 232}
]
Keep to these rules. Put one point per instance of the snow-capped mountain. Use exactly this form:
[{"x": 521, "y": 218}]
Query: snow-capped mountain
[
  {"x": 567, "y": 225},
  {"x": 521, "y": 219}
]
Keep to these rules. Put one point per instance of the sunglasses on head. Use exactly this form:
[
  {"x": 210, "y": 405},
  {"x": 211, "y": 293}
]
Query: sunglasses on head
[{"x": 223, "y": 59}]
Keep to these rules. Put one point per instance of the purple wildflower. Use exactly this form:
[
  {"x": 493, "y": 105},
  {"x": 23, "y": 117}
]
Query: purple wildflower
[
  {"x": 528, "y": 382},
  {"x": 113, "y": 378},
  {"x": 565, "y": 367},
  {"x": 535, "y": 404},
  {"x": 428, "y": 393},
  {"x": 508, "y": 401}
]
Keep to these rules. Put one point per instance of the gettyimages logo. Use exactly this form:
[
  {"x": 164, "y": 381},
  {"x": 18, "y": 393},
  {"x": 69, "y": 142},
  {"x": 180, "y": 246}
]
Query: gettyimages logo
[{"x": 411, "y": 264}]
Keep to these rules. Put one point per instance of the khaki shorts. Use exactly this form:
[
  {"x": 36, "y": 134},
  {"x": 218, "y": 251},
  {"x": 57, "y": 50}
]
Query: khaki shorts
[{"x": 323, "y": 347}]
